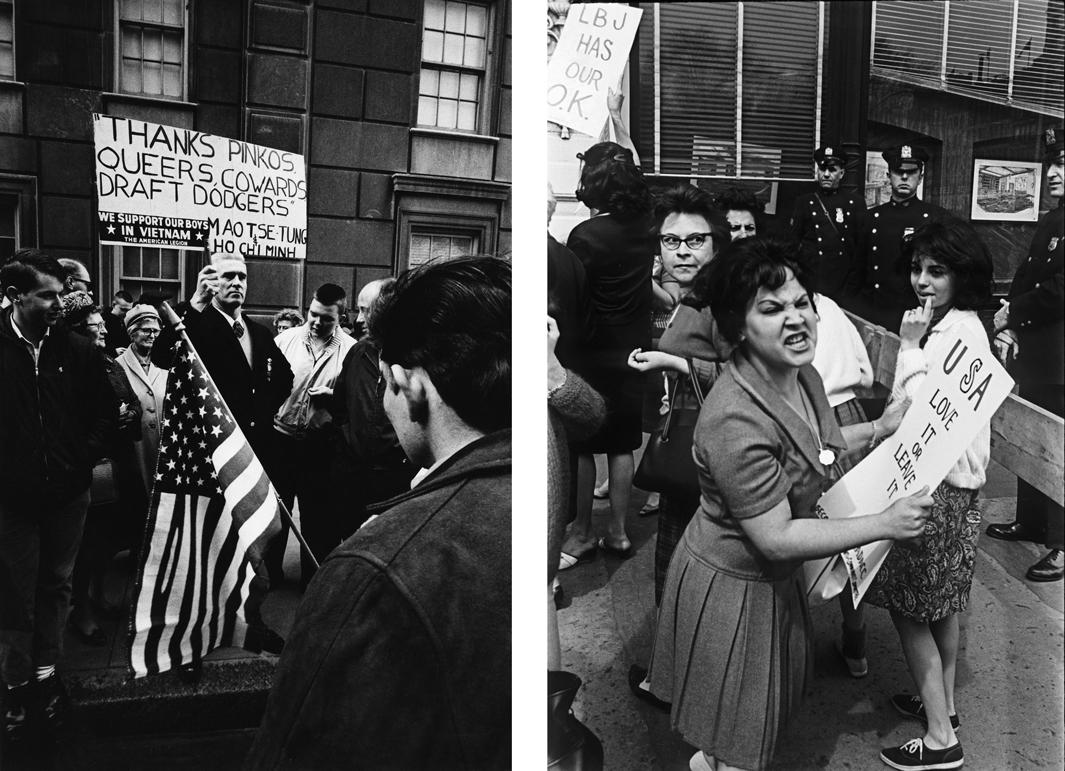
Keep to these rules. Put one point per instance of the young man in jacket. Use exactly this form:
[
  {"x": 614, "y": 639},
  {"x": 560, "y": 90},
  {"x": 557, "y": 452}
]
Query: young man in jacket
[
  {"x": 399, "y": 655},
  {"x": 56, "y": 410}
]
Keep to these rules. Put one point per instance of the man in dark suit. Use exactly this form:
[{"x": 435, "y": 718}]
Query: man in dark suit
[
  {"x": 1030, "y": 329},
  {"x": 253, "y": 376},
  {"x": 881, "y": 281}
]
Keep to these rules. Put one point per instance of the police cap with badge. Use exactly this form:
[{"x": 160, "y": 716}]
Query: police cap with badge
[
  {"x": 903, "y": 156},
  {"x": 829, "y": 156}
]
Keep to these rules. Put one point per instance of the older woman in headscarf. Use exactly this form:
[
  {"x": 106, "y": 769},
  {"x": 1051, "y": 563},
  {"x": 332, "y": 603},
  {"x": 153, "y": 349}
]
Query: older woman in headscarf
[{"x": 148, "y": 382}]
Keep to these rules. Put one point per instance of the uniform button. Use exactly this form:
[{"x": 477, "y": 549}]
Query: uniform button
[
  {"x": 925, "y": 215},
  {"x": 874, "y": 248},
  {"x": 819, "y": 238},
  {"x": 817, "y": 226},
  {"x": 252, "y": 424},
  {"x": 1036, "y": 284},
  {"x": 876, "y": 267},
  {"x": 874, "y": 230},
  {"x": 820, "y": 253},
  {"x": 876, "y": 214},
  {"x": 876, "y": 286}
]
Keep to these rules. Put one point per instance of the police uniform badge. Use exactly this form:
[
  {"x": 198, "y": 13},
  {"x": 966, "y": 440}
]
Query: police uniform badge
[
  {"x": 1051, "y": 137},
  {"x": 828, "y": 150},
  {"x": 907, "y": 152},
  {"x": 907, "y": 232}
]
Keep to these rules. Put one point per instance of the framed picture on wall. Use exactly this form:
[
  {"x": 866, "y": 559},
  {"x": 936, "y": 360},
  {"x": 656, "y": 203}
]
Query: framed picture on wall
[
  {"x": 877, "y": 186},
  {"x": 1006, "y": 191}
]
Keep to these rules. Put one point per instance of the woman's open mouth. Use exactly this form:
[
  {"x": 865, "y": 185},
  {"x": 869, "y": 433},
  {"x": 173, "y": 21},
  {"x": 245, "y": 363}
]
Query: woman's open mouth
[{"x": 800, "y": 341}]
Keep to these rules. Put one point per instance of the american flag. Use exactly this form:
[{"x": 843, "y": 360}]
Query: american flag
[{"x": 212, "y": 514}]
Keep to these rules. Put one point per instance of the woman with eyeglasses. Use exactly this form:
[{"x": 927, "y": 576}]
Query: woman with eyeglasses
[
  {"x": 691, "y": 231},
  {"x": 617, "y": 250},
  {"x": 116, "y": 491},
  {"x": 149, "y": 384}
]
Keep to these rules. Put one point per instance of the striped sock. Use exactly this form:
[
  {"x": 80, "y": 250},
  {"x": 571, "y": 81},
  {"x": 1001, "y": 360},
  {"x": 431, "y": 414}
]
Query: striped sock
[{"x": 43, "y": 673}]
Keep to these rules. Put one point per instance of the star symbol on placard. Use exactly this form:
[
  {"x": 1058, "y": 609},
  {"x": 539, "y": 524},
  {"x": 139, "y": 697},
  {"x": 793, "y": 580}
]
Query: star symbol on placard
[{"x": 110, "y": 230}]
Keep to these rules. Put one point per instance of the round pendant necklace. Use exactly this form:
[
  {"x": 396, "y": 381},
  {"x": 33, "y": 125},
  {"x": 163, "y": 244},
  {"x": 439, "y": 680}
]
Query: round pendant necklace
[{"x": 824, "y": 454}]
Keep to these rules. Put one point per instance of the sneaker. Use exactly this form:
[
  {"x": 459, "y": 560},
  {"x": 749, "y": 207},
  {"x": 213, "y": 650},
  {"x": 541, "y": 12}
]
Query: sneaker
[
  {"x": 852, "y": 649},
  {"x": 53, "y": 700},
  {"x": 912, "y": 707},
  {"x": 16, "y": 714},
  {"x": 915, "y": 754},
  {"x": 601, "y": 491}
]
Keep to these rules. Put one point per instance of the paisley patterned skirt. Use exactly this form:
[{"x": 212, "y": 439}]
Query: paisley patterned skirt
[{"x": 929, "y": 579}]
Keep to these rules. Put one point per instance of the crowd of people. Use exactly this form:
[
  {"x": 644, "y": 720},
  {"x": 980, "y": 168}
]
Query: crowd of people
[
  {"x": 394, "y": 443},
  {"x": 759, "y": 360}
]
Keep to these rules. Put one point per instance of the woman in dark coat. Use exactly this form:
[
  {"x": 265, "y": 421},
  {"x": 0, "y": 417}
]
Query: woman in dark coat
[
  {"x": 616, "y": 247},
  {"x": 117, "y": 491}
]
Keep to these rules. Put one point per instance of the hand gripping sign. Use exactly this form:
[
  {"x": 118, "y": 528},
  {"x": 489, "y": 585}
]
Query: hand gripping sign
[
  {"x": 958, "y": 397},
  {"x": 172, "y": 187},
  {"x": 588, "y": 62}
]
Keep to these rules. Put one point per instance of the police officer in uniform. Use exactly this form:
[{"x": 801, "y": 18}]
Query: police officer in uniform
[
  {"x": 1030, "y": 328},
  {"x": 828, "y": 222},
  {"x": 882, "y": 280}
]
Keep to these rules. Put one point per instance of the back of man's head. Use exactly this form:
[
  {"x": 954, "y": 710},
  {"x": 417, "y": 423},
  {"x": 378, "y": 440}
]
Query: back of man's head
[
  {"x": 21, "y": 269},
  {"x": 452, "y": 319},
  {"x": 123, "y": 296}
]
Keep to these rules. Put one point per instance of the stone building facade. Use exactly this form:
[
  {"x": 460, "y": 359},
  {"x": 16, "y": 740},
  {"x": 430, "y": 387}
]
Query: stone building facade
[{"x": 401, "y": 109}]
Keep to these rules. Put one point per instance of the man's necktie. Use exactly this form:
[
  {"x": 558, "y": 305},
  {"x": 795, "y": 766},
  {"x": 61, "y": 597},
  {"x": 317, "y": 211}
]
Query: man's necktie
[{"x": 238, "y": 329}]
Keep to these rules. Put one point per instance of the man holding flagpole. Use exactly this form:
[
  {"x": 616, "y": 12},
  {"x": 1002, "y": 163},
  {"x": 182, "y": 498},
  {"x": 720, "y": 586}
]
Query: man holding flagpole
[
  {"x": 251, "y": 375},
  {"x": 399, "y": 655}
]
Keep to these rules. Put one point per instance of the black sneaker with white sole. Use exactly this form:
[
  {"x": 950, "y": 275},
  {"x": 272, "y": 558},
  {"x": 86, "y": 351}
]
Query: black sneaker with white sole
[
  {"x": 915, "y": 755},
  {"x": 912, "y": 707}
]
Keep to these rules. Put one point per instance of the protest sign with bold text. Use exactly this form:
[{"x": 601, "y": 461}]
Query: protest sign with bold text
[
  {"x": 958, "y": 397},
  {"x": 588, "y": 62},
  {"x": 174, "y": 187}
]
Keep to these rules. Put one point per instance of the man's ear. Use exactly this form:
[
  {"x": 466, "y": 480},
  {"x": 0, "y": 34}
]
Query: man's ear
[
  {"x": 411, "y": 383},
  {"x": 11, "y": 293}
]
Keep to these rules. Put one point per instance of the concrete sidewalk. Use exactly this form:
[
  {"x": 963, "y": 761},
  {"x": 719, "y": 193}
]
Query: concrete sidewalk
[{"x": 1009, "y": 682}]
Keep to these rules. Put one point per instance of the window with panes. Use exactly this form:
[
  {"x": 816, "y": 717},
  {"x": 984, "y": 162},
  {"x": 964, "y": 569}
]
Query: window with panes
[
  {"x": 150, "y": 50},
  {"x": 7, "y": 40},
  {"x": 455, "y": 54},
  {"x": 150, "y": 270},
  {"x": 725, "y": 95}
]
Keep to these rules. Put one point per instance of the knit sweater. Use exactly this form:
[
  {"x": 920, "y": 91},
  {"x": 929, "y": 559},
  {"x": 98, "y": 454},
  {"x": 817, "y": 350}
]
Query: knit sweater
[{"x": 970, "y": 472}]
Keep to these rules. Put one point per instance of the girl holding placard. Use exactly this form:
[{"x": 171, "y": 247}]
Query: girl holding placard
[{"x": 925, "y": 586}]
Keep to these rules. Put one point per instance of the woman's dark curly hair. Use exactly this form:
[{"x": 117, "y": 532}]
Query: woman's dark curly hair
[
  {"x": 955, "y": 244},
  {"x": 729, "y": 282},
  {"x": 738, "y": 199},
  {"x": 688, "y": 199},
  {"x": 611, "y": 181}
]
